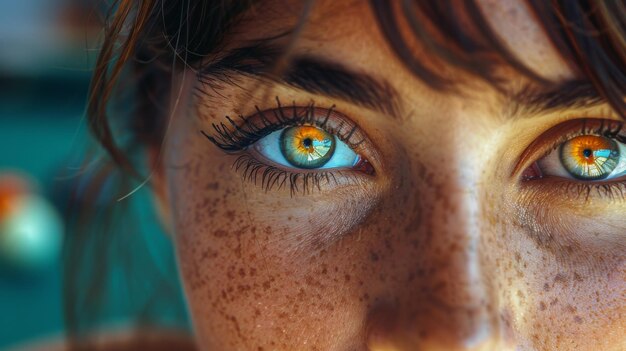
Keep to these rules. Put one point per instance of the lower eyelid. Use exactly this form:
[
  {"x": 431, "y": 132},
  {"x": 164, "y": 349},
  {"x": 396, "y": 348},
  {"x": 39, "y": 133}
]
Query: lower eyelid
[
  {"x": 297, "y": 182},
  {"x": 559, "y": 192}
]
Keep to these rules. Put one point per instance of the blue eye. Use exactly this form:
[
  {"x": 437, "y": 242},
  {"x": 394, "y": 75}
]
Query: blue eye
[
  {"x": 306, "y": 147},
  {"x": 587, "y": 158}
]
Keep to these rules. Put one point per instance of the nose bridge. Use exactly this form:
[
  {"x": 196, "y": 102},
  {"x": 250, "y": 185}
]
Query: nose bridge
[
  {"x": 450, "y": 305},
  {"x": 454, "y": 251},
  {"x": 456, "y": 293},
  {"x": 457, "y": 226}
]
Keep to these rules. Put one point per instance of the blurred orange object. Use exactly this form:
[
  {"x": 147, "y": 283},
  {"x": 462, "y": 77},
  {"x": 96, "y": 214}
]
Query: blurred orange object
[
  {"x": 12, "y": 187},
  {"x": 31, "y": 230}
]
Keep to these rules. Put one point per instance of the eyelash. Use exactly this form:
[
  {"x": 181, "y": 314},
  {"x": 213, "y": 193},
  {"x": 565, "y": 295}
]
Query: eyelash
[
  {"x": 276, "y": 178},
  {"x": 232, "y": 137}
]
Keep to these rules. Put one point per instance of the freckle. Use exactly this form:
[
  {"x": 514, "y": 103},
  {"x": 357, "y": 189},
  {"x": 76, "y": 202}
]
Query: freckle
[
  {"x": 578, "y": 320},
  {"x": 347, "y": 277},
  {"x": 546, "y": 287},
  {"x": 542, "y": 306},
  {"x": 213, "y": 186},
  {"x": 578, "y": 277},
  {"x": 560, "y": 278},
  {"x": 373, "y": 256},
  {"x": 219, "y": 233},
  {"x": 411, "y": 277},
  {"x": 554, "y": 301}
]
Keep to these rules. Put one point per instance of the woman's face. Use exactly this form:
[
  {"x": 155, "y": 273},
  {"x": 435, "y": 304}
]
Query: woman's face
[{"x": 431, "y": 220}]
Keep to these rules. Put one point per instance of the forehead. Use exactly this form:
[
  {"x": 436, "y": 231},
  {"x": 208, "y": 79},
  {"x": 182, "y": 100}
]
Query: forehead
[
  {"x": 343, "y": 30},
  {"x": 525, "y": 37}
]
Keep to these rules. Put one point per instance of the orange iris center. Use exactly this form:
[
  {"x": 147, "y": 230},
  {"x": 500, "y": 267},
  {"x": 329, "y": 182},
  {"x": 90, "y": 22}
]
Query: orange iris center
[
  {"x": 583, "y": 148},
  {"x": 304, "y": 137}
]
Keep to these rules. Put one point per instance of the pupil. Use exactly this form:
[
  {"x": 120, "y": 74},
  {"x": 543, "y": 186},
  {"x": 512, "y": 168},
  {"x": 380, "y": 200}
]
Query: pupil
[
  {"x": 308, "y": 142},
  {"x": 587, "y": 153}
]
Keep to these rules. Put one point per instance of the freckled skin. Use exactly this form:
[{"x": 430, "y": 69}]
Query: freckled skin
[{"x": 439, "y": 251}]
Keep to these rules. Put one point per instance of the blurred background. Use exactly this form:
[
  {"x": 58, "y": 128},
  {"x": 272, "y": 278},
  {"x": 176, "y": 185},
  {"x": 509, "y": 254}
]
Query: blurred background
[
  {"x": 48, "y": 50},
  {"x": 44, "y": 75}
]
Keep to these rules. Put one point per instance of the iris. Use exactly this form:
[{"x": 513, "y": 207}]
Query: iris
[
  {"x": 590, "y": 157},
  {"x": 307, "y": 146}
]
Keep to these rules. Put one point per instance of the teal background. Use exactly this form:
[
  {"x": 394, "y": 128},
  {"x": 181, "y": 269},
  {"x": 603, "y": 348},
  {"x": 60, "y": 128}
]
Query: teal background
[
  {"x": 40, "y": 126},
  {"x": 48, "y": 50},
  {"x": 43, "y": 135}
]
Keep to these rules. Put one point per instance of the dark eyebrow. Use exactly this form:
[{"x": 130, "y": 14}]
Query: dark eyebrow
[
  {"x": 531, "y": 100},
  {"x": 309, "y": 73},
  {"x": 318, "y": 76}
]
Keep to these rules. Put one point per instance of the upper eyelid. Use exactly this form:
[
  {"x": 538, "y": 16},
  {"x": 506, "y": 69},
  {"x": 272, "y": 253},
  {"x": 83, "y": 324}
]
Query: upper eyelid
[
  {"x": 233, "y": 136},
  {"x": 563, "y": 131}
]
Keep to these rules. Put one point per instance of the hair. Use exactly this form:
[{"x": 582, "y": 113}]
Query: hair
[{"x": 147, "y": 42}]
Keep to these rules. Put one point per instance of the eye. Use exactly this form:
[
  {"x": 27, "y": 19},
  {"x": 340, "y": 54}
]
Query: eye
[
  {"x": 586, "y": 157},
  {"x": 306, "y": 147}
]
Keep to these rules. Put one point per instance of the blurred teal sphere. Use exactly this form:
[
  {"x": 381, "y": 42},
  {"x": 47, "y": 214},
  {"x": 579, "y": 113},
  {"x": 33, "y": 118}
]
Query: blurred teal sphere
[{"x": 31, "y": 234}]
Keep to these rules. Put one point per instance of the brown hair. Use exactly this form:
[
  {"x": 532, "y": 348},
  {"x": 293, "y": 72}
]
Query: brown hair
[{"x": 146, "y": 41}]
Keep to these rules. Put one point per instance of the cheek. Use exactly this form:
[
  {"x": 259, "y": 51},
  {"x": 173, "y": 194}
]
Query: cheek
[
  {"x": 265, "y": 270},
  {"x": 550, "y": 299},
  {"x": 558, "y": 305}
]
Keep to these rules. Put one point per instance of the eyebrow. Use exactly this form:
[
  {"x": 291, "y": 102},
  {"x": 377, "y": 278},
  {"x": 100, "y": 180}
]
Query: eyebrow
[
  {"x": 531, "y": 100},
  {"x": 318, "y": 76},
  {"x": 311, "y": 74}
]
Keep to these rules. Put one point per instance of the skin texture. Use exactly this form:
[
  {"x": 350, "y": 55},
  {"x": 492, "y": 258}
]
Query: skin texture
[{"x": 444, "y": 248}]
